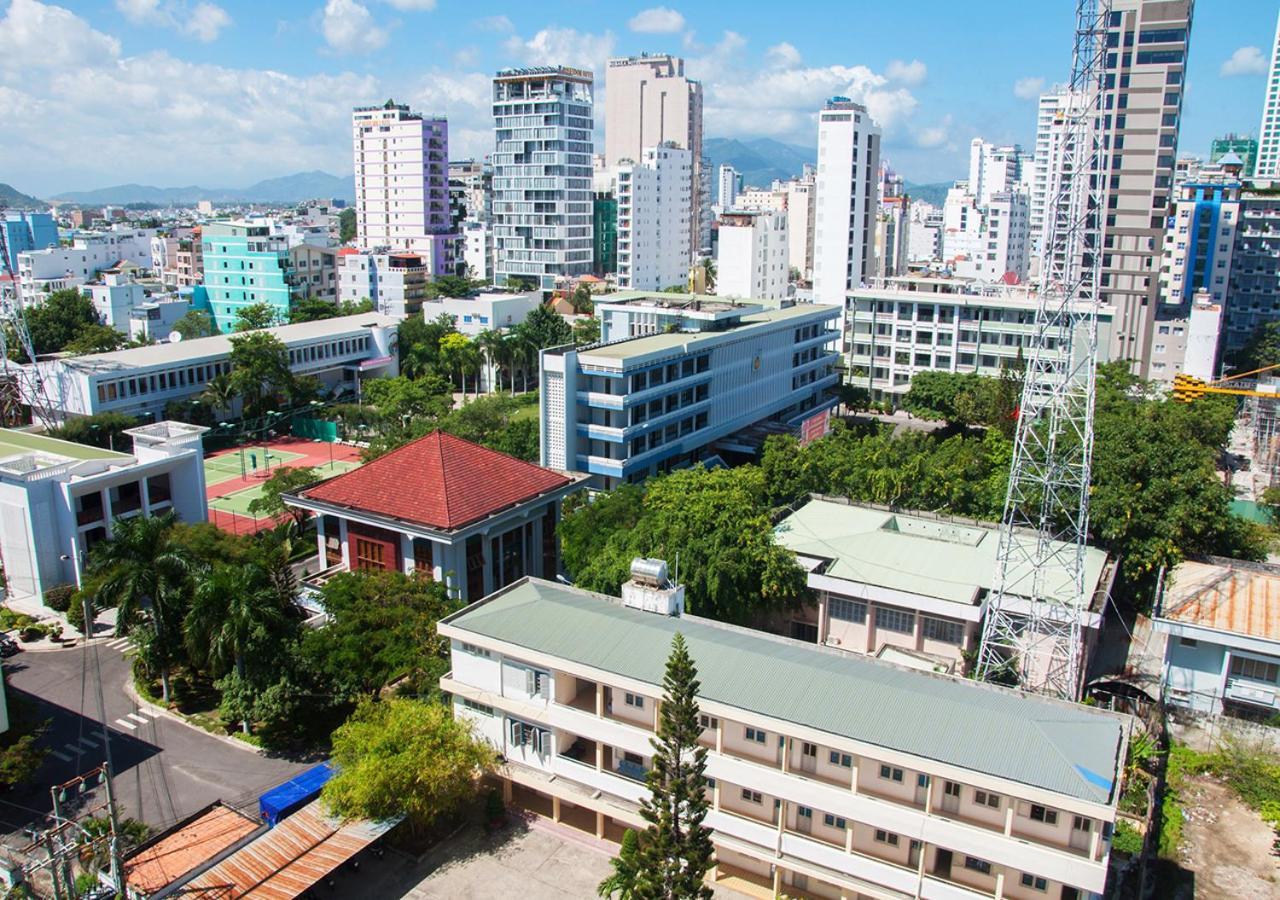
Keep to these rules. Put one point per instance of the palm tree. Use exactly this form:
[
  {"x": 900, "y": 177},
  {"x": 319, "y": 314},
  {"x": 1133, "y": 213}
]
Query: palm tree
[
  {"x": 220, "y": 394},
  {"x": 147, "y": 577},
  {"x": 488, "y": 343},
  {"x": 709, "y": 270},
  {"x": 231, "y": 607},
  {"x": 472, "y": 360},
  {"x": 523, "y": 350}
]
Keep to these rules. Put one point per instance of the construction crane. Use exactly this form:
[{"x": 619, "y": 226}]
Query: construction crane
[
  {"x": 1031, "y": 633},
  {"x": 1188, "y": 387}
]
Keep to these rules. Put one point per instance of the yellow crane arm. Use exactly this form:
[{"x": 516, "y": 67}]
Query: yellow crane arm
[{"x": 1187, "y": 387}]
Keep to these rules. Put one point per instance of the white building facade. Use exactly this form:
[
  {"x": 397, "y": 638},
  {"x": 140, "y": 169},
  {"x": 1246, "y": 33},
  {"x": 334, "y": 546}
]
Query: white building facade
[
  {"x": 1268, "y": 162},
  {"x": 848, "y": 186},
  {"x": 986, "y": 241},
  {"x": 40, "y": 272},
  {"x": 654, "y": 218},
  {"x": 753, "y": 256},
  {"x": 728, "y": 184}
]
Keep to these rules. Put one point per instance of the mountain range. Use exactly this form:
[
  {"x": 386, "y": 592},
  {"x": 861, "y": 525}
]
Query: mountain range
[
  {"x": 759, "y": 160},
  {"x": 285, "y": 189},
  {"x": 13, "y": 198}
]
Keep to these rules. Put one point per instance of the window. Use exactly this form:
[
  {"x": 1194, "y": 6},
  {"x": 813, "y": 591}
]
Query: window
[
  {"x": 841, "y": 759},
  {"x": 951, "y": 788},
  {"x": 476, "y": 651},
  {"x": 977, "y": 865},
  {"x": 1188, "y": 642},
  {"x": 898, "y": 620},
  {"x": 986, "y": 798},
  {"x": 708, "y": 722},
  {"x": 848, "y": 610},
  {"x": 886, "y": 837},
  {"x": 1035, "y": 882},
  {"x": 1256, "y": 669},
  {"x": 751, "y": 796},
  {"x": 477, "y": 707},
  {"x": 755, "y": 734},
  {"x": 889, "y": 773},
  {"x": 804, "y": 812},
  {"x": 635, "y": 700},
  {"x": 1041, "y": 814},
  {"x": 943, "y": 630},
  {"x": 834, "y": 821}
]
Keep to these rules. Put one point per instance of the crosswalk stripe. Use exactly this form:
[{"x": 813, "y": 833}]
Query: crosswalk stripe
[
  {"x": 73, "y": 748},
  {"x": 60, "y": 755},
  {"x": 90, "y": 741},
  {"x": 126, "y": 723},
  {"x": 138, "y": 718},
  {"x": 150, "y": 712}
]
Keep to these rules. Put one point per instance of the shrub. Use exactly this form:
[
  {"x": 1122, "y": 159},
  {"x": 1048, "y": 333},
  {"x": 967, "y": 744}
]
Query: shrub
[
  {"x": 58, "y": 598},
  {"x": 1126, "y": 839}
]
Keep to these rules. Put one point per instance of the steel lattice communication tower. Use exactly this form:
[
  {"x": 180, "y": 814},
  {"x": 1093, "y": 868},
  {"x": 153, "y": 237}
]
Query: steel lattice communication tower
[{"x": 1031, "y": 633}]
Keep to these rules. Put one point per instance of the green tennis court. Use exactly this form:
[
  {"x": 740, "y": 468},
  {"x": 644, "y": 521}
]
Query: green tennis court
[
  {"x": 238, "y": 502},
  {"x": 218, "y": 469}
]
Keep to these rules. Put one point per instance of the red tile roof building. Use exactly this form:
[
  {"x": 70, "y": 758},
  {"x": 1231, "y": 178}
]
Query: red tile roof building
[{"x": 453, "y": 510}]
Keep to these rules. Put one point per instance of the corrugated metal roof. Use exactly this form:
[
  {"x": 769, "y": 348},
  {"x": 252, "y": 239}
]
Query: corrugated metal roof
[
  {"x": 1243, "y": 598},
  {"x": 1057, "y": 746},
  {"x": 185, "y": 848},
  {"x": 290, "y": 858},
  {"x": 919, "y": 554}
]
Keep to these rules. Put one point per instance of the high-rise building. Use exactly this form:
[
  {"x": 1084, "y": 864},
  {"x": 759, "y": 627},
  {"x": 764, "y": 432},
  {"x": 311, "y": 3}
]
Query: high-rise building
[
  {"x": 848, "y": 184},
  {"x": 801, "y": 205},
  {"x": 654, "y": 218},
  {"x": 1145, "y": 62},
  {"x": 993, "y": 168},
  {"x": 1051, "y": 128},
  {"x": 729, "y": 183},
  {"x": 26, "y": 231},
  {"x": 542, "y": 171},
  {"x": 649, "y": 102},
  {"x": 986, "y": 241},
  {"x": 402, "y": 183},
  {"x": 604, "y": 233},
  {"x": 245, "y": 265},
  {"x": 1242, "y": 146},
  {"x": 1268, "y": 164},
  {"x": 752, "y": 255},
  {"x": 892, "y": 236}
]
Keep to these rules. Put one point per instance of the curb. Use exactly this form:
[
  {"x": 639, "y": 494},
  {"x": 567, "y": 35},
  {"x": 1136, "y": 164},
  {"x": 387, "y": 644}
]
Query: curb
[{"x": 132, "y": 693}]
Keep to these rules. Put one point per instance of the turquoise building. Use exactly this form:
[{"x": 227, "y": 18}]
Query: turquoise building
[{"x": 244, "y": 265}]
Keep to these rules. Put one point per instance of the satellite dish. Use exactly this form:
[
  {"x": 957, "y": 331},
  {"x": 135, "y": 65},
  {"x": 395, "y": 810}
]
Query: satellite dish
[{"x": 175, "y": 337}]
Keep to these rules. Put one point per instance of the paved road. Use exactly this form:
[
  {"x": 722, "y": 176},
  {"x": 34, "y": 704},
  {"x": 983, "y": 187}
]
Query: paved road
[{"x": 165, "y": 770}]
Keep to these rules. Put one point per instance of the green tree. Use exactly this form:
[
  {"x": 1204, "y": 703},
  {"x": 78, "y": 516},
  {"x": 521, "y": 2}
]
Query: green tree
[
  {"x": 456, "y": 352},
  {"x": 347, "y": 225},
  {"x": 1262, "y": 350},
  {"x": 21, "y": 753},
  {"x": 543, "y": 328},
  {"x": 450, "y": 286},
  {"x": 582, "y": 300},
  {"x": 234, "y": 611},
  {"x": 428, "y": 396},
  {"x": 195, "y": 323},
  {"x": 419, "y": 342},
  {"x": 405, "y": 757},
  {"x": 260, "y": 371},
  {"x": 626, "y": 869},
  {"x": 95, "y": 338},
  {"x": 587, "y": 525},
  {"x": 709, "y": 269},
  {"x": 490, "y": 343},
  {"x": 105, "y": 430},
  {"x": 586, "y": 331},
  {"x": 284, "y": 480},
  {"x": 58, "y": 320},
  {"x": 1270, "y": 500},
  {"x": 382, "y": 627},
  {"x": 147, "y": 577},
  {"x": 312, "y": 309},
  {"x": 257, "y": 316},
  {"x": 675, "y": 849},
  {"x": 220, "y": 394}
]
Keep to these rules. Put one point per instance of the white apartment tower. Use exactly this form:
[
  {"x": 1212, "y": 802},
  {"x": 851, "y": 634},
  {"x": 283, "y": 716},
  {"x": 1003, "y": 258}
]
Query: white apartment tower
[
  {"x": 1268, "y": 164},
  {"x": 986, "y": 241},
  {"x": 1050, "y": 130},
  {"x": 752, "y": 256},
  {"x": 655, "y": 218},
  {"x": 648, "y": 103},
  {"x": 801, "y": 194},
  {"x": 542, "y": 174},
  {"x": 848, "y": 185},
  {"x": 993, "y": 169},
  {"x": 729, "y": 182},
  {"x": 402, "y": 181}
]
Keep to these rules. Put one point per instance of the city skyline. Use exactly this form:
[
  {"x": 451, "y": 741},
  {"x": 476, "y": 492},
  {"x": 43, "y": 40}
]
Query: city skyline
[{"x": 228, "y": 95}]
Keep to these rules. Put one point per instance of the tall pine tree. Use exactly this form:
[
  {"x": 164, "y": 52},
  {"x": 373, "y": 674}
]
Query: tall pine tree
[{"x": 675, "y": 849}]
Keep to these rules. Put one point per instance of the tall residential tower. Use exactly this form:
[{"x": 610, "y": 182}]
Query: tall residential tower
[
  {"x": 542, "y": 173},
  {"x": 848, "y": 184},
  {"x": 1268, "y": 162}
]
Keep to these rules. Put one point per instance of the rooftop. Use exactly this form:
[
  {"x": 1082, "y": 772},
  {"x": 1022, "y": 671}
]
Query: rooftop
[
  {"x": 185, "y": 847},
  {"x": 1056, "y": 746},
  {"x": 1225, "y": 595},
  {"x": 439, "y": 481},
  {"x": 702, "y": 305},
  {"x": 919, "y": 553},
  {"x": 621, "y": 351},
  {"x": 168, "y": 352},
  {"x": 15, "y": 443}
]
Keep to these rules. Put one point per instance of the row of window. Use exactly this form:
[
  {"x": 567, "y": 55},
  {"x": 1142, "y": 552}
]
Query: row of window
[
  {"x": 892, "y": 619},
  {"x": 191, "y": 376}
]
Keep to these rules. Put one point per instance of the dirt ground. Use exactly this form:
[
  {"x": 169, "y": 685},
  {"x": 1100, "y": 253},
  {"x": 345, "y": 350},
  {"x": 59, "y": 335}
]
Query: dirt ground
[{"x": 1225, "y": 845}]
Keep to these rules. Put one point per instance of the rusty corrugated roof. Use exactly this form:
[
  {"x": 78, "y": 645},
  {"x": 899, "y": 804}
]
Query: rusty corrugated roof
[
  {"x": 186, "y": 847},
  {"x": 288, "y": 859},
  {"x": 1243, "y": 598}
]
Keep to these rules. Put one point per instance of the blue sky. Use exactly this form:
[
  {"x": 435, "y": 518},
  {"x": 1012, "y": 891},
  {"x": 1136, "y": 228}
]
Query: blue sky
[{"x": 226, "y": 92}]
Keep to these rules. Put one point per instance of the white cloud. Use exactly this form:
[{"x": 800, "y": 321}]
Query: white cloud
[
  {"x": 934, "y": 136},
  {"x": 1245, "y": 61},
  {"x": 204, "y": 21},
  {"x": 348, "y": 27},
  {"x": 564, "y": 47},
  {"x": 1029, "y": 88},
  {"x": 36, "y": 36},
  {"x": 412, "y": 5},
  {"x": 784, "y": 55},
  {"x": 498, "y": 24},
  {"x": 657, "y": 20},
  {"x": 908, "y": 73}
]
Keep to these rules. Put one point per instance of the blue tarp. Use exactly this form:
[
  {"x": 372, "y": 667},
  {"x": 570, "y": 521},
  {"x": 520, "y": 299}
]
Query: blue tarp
[{"x": 283, "y": 799}]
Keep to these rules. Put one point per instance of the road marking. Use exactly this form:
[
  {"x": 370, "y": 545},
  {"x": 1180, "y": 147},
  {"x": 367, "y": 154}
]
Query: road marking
[
  {"x": 73, "y": 748},
  {"x": 138, "y": 718},
  {"x": 61, "y": 756},
  {"x": 91, "y": 741},
  {"x": 120, "y": 642},
  {"x": 126, "y": 723},
  {"x": 155, "y": 714}
]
